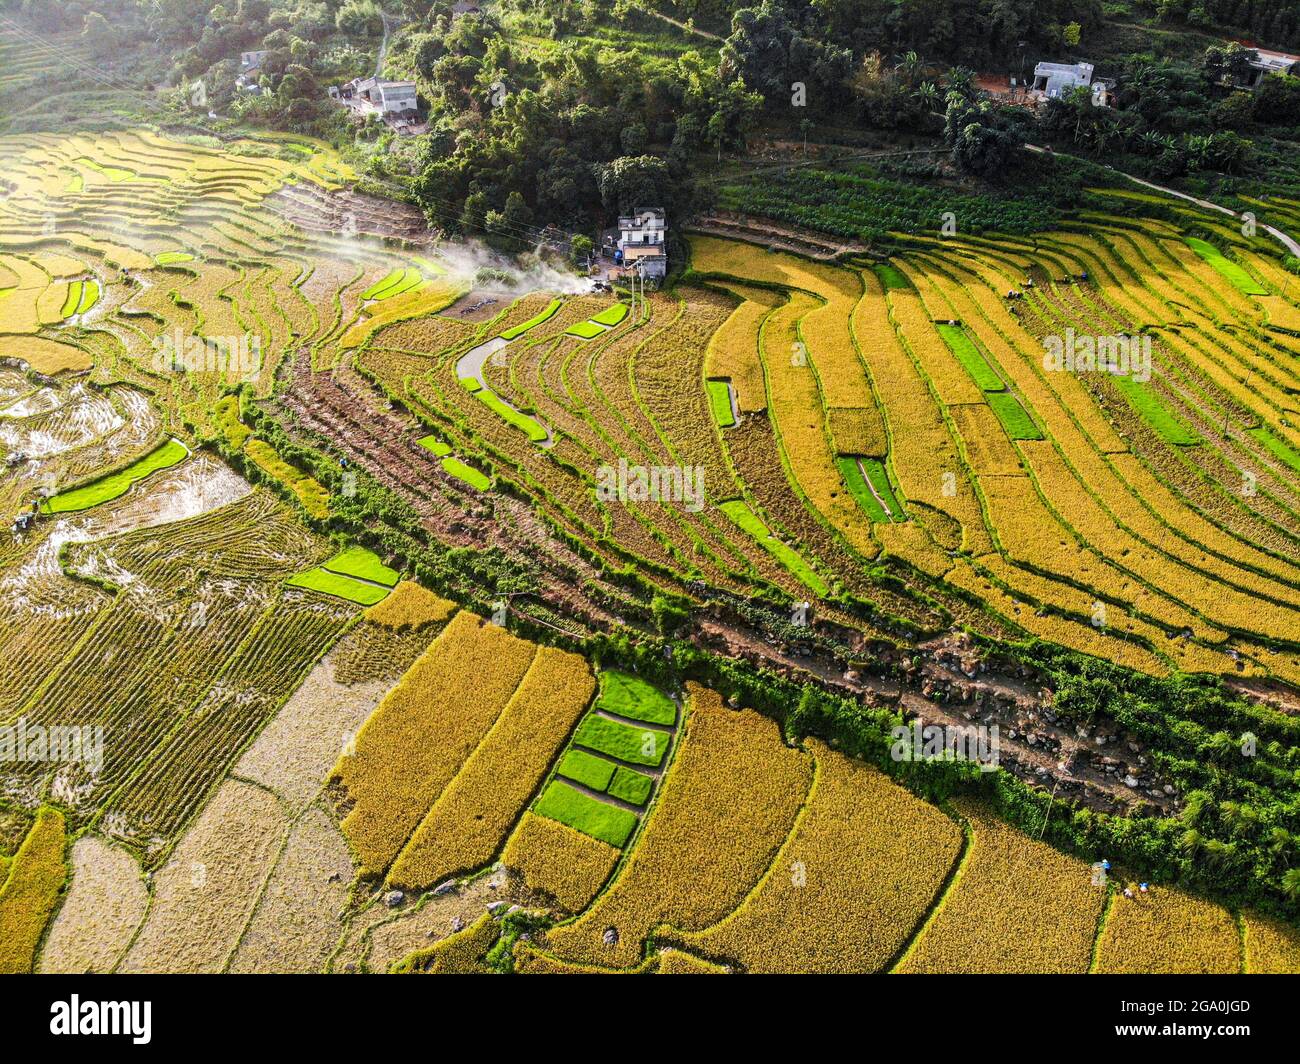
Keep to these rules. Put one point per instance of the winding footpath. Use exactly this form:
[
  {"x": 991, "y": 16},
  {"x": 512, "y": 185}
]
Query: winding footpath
[{"x": 1284, "y": 239}]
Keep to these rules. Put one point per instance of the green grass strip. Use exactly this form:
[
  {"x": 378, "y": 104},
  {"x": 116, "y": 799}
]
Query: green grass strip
[
  {"x": 1147, "y": 403},
  {"x": 397, "y": 282},
  {"x": 608, "y": 823},
  {"x": 363, "y": 564},
  {"x": 587, "y": 769},
  {"x": 523, "y": 422},
  {"x": 892, "y": 277},
  {"x": 627, "y": 742},
  {"x": 116, "y": 484},
  {"x": 523, "y": 327},
  {"x": 431, "y": 443},
  {"x": 343, "y": 587},
  {"x": 858, "y": 488},
  {"x": 630, "y": 696},
  {"x": 1015, "y": 419},
  {"x": 471, "y": 384},
  {"x": 389, "y": 279},
  {"x": 72, "y": 300},
  {"x": 1276, "y": 448},
  {"x": 167, "y": 258},
  {"x": 89, "y": 296},
  {"x": 720, "y": 402},
  {"x": 875, "y": 472},
  {"x": 972, "y": 358},
  {"x": 631, "y": 786},
  {"x": 1235, "y": 273},
  {"x": 467, "y": 473},
  {"x": 585, "y": 330},
  {"x": 611, "y": 316},
  {"x": 743, "y": 516}
]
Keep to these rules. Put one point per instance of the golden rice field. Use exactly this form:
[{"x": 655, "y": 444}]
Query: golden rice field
[{"x": 410, "y": 765}]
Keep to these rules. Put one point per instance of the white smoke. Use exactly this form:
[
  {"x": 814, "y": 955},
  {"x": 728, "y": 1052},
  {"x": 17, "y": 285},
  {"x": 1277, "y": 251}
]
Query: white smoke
[{"x": 523, "y": 273}]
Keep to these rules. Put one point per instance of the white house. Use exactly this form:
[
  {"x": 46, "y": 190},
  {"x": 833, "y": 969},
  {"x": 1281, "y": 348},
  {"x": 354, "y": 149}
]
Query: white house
[
  {"x": 1052, "y": 81},
  {"x": 386, "y": 97},
  {"x": 394, "y": 97},
  {"x": 641, "y": 240},
  {"x": 1267, "y": 63}
]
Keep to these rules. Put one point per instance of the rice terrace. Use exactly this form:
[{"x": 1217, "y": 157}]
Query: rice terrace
[{"x": 635, "y": 525}]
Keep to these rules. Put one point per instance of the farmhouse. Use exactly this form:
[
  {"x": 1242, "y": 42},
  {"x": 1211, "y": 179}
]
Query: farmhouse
[
  {"x": 250, "y": 69},
  {"x": 1054, "y": 81},
  {"x": 641, "y": 241},
  {"x": 386, "y": 97},
  {"x": 1265, "y": 63}
]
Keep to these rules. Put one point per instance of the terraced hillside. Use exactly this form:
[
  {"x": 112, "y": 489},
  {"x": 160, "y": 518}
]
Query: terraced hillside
[{"x": 385, "y": 617}]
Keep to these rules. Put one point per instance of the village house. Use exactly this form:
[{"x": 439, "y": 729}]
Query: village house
[
  {"x": 1266, "y": 63},
  {"x": 250, "y": 70},
  {"x": 386, "y": 97},
  {"x": 1054, "y": 81},
  {"x": 641, "y": 241}
]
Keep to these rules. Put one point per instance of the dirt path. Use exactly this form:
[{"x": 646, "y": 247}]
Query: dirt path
[
  {"x": 1285, "y": 239},
  {"x": 681, "y": 25}
]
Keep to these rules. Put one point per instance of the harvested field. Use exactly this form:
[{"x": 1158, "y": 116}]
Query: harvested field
[
  {"x": 205, "y": 893},
  {"x": 105, "y": 903},
  {"x": 296, "y": 923}
]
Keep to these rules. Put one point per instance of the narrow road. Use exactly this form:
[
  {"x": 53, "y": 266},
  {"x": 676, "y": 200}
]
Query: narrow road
[{"x": 1284, "y": 239}]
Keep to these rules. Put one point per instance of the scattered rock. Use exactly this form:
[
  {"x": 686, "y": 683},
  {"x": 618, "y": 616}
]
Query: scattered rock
[
  {"x": 610, "y": 937},
  {"x": 394, "y": 898},
  {"x": 448, "y": 887}
]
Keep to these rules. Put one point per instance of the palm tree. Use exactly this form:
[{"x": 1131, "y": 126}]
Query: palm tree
[
  {"x": 909, "y": 65},
  {"x": 1218, "y": 852},
  {"x": 1291, "y": 883},
  {"x": 1151, "y": 142},
  {"x": 1237, "y": 815},
  {"x": 927, "y": 94},
  {"x": 960, "y": 79}
]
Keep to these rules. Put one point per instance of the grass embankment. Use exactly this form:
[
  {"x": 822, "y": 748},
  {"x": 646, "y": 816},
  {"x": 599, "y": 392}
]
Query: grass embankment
[{"x": 105, "y": 489}]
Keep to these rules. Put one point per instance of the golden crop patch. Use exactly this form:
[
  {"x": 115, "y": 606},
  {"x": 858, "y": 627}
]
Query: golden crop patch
[
  {"x": 1015, "y": 905},
  {"x": 1167, "y": 932},
  {"x": 420, "y": 735},
  {"x": 29, "y": 894},
  {"x": 733, "y": 350},
  {"x": 409, "y": 606},
  {"x": 1271, "y": 946},
  {"x": 556, "y": 860},
  {"x": 467, "y": 824},
  {"x": 867, "y": 851}
]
